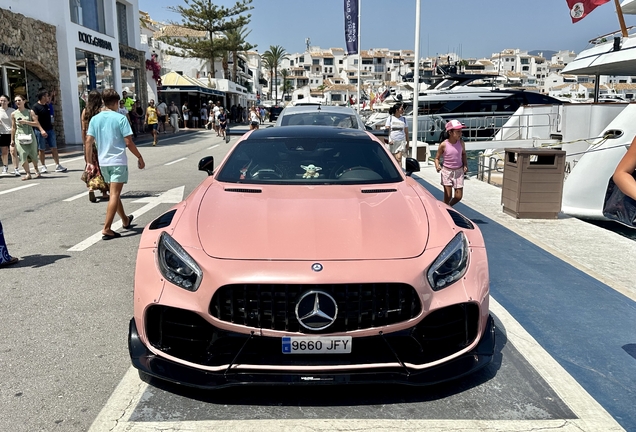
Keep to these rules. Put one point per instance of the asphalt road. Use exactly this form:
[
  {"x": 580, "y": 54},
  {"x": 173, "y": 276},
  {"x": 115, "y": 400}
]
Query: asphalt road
[{"x": 66, "y": 306}]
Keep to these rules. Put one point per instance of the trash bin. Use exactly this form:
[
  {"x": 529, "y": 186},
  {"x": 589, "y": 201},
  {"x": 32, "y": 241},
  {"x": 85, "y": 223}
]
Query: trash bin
[{"x": 533, "y": 182}]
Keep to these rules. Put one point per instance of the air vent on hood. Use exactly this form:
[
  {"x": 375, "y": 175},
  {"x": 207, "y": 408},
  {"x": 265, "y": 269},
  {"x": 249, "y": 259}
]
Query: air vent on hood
[
  {"x": 162, "y": 221},
  {"x": 242, "y": 190},
  {"x": 461, "y": 220},
  {"x": 378, "y": 190}
]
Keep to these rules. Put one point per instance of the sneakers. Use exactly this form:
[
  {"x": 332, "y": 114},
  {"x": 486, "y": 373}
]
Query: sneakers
[
  {"x": 43, "y": 169},
  {"x": 5, "y": 170},
  {"x": 59, "y": 168},
  {"x": 16, "y": 172}
]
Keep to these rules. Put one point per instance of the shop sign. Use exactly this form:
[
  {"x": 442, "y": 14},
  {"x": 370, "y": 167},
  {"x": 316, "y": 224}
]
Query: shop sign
[
  {"x": 95, "y": 41},
  {"x": 11, "y": 51},
  {"x": 128, "y": 54}
]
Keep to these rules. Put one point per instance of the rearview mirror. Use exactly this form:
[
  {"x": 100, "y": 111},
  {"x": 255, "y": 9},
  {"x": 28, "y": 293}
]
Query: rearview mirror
[
  {"x": 412, "y": 165},
  {"x": 207, "y": 164}
]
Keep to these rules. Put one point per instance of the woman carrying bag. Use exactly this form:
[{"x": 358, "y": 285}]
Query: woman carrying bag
[
  {"x": 93, "y": 178},
  {"x": 23, "y": 120}
]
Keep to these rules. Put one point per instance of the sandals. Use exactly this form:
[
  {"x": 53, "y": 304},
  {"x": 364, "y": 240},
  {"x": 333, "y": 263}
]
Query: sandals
[
  {"x": 91, "y": 196},
  {"x": 110, "y": 236},
  {"x": 27, "y": 177},
  {"x": 38, "y": 175},
  {"x": 130, "y": 219}
]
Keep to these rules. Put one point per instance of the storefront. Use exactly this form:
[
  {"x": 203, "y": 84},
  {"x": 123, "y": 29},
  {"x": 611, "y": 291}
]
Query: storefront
[
  {"x": 71, "y": 47},
  {"x": 179, "y": 88}
]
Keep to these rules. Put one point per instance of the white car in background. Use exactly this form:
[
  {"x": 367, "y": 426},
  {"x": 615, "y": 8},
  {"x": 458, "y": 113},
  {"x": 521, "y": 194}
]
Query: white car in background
[{"x": 320, "y": 115}]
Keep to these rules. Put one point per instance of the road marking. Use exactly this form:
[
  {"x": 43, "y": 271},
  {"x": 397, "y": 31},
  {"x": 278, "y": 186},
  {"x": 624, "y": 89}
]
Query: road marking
[
  {"x": 73, "y": 160},
  {"x": 590, "y": 414},
  {"x": 172, "y": 196},
  {"x": 174, "y": 162},
  {"x": 73, "y": 198},
  {"x": 214, "y": 146},
  {"x": 19, "y": 188}
]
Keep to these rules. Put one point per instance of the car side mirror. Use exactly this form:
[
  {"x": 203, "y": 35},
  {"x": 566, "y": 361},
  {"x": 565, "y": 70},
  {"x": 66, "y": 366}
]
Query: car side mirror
[
  {"x": 207, "y": 164},
  {"x": 412, "y": 165}
]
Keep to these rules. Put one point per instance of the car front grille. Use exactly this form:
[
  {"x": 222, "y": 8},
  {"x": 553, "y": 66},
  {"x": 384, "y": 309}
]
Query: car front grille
[
  {"x": 273, "y": 306},
  {"x": 188, "y": 336}
]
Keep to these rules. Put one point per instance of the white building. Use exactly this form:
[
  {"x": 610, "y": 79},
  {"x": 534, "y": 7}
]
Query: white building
[{"x": 70, "y": 47}]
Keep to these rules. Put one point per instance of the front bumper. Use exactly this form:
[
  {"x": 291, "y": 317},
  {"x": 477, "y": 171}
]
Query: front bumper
[{"x": 165, "y": 369}]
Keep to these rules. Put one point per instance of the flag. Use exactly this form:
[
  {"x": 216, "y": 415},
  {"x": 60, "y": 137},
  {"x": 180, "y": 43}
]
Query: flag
[
  {"x": 579, "y": 9},
  {"x": 371, "y": 99},
  {"x": 385, "y": 94},
  {"x": 351, "y": 25}
]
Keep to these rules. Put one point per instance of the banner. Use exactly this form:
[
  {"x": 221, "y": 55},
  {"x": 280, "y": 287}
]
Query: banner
[
  {"x": 352, "y": 32},
  {"x": 579, "y": 9}
]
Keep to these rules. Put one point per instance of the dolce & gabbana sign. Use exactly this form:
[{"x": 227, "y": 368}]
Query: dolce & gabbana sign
[{"x": 101, "y": 43}]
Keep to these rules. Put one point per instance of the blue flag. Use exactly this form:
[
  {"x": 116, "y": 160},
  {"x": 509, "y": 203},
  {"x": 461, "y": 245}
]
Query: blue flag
[{"x": 352, "y": 32}]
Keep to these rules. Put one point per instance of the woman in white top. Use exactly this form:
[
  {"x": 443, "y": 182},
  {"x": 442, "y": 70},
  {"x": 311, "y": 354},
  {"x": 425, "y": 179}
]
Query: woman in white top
[
  {"x": 398, "y": 137},
  {"x": 255, "y": 118},
  {"x": 5, "y": 137}
]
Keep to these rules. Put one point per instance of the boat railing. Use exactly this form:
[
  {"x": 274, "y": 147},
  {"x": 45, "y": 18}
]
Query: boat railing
[
  {"x": 609, "y": 36},
  {"x": 484, "y": 173},
  {"x": 529, "y": 126}
]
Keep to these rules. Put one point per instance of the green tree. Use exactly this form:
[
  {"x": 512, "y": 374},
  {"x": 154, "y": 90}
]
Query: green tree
[
  {"x": 237, "y": 46},
  {"x": 275, "y": 55},
  {"x": 287, "y": 85},
  {"x": 203, "y": 16}
]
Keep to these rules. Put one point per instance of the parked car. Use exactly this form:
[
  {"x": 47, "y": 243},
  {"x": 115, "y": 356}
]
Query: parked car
[
  {"x": 308, "y": 256},
  {"x": 274, "y": 112},
  {"x": 320, "y": 115}
]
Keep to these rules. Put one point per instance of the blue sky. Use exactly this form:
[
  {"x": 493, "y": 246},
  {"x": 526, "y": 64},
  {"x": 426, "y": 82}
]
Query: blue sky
[{"x": 472, "y": 28}]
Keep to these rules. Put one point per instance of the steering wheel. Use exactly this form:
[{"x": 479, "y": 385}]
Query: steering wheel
[
  {"x": 343, "y": 170},
  {"x": 266, "y": 174}
]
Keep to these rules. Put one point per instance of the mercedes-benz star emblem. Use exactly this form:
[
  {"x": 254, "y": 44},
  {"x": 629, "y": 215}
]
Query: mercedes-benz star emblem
[
  {"x": 316, "y": 310},
  {"x": 316, "y": 267}
]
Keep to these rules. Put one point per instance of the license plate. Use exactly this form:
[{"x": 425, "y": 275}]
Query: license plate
[{"x": 317, "y": 345}]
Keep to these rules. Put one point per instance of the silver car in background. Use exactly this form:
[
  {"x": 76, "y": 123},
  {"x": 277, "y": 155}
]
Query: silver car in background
[{"x": 320, "y": 115}]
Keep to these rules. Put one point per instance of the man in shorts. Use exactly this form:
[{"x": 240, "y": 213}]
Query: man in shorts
[
  {"x": 162, "y": 110},
  {"x": 45, "y": 133},
  {"x": 112, "y": 134},
  {"x": 152, "y": 120}
]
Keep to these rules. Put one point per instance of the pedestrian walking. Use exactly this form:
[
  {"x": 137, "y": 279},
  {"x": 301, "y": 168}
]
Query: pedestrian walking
[
  {"x": 140, "y": 115},
  {"x": 112, "y": 134},
  {"x": 204, "y": 115},
  {"x": 23, "y": 120},
  {"x": 399, "y": 132},
  {"x": 254, "y": 118},
  {"x": 5, "y": 138},
  {"x": 185, "y": 113},
  {"x": 455, "y": 165},
  {"x": 45, "y": 134},
  {"x": 173, "y": 110},
  {"x": 93, "y": 177},
  {"x": 162, "y": 111},
  {"x": 152, "y": 121},
  {"x": 222, "y": 122},
  {"x": 5, "y": 258}
]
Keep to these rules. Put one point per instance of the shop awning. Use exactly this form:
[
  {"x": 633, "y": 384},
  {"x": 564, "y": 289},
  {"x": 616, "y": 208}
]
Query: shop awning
[{"x": 172, "y": 82}]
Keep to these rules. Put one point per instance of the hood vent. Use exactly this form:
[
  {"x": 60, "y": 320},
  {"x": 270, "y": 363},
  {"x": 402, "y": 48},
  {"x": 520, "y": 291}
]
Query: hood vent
[
  {"x": 162, "y": 221},
  {"x": 373, "y": 191},
  {"x": 241, "y": 190},
  {"x": 461, "y": 220}
]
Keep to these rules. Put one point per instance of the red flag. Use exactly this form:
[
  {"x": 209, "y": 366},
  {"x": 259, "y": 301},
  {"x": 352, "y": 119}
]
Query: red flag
[{"x": 579, "y": 9}]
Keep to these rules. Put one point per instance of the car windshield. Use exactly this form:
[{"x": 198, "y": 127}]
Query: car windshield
[
  {"x": 318, "y": 118},
  {"x": 309, "y": 161}
]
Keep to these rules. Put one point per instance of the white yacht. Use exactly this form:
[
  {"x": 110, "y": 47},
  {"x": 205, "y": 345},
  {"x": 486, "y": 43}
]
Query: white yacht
[{"x": 594, "y": 135}]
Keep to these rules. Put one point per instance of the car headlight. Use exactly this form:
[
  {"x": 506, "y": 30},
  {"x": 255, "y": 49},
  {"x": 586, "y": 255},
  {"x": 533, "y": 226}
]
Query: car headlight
[
  {"x": 450, "y": 265},
  {"x": 176, "y": 265}
]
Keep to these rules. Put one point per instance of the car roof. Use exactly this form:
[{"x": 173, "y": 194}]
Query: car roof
[
  {"x": 323, "y": 132},
  {"x": 318, "y": 108}
]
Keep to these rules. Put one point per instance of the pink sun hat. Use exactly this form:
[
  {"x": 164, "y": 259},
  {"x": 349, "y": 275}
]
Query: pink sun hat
[{"x": 454, "y": 124}]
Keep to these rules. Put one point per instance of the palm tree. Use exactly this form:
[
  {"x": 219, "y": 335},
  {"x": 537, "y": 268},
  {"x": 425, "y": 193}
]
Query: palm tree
[
  {"x": 268, "y": 65},
  {"x": 276, "y": 55},
  {"x": 237, "y": 45},
  {"x": 287, "y": 85}
]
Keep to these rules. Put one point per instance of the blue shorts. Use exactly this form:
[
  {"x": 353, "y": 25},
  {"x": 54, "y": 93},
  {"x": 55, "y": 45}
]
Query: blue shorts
[
  {"x": 42, "y": 142},
  {"x": 153, "y": 126},
  {"x": 115, "y": 174}
]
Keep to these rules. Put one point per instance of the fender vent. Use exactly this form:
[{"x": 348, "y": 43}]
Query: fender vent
[
  {"x": 378, "y": 190},
  {"x": 162, "y": 221},
  {"x": 461, "y": 220},
  {"x": 240, "y": 190}
]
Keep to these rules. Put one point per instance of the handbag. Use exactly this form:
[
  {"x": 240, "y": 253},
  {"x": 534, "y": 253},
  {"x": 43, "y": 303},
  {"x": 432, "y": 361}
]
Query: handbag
[
  {"x": 25, "y": 138},
  {"x": 97, "y": 183},
  {"x": 619, "y": 207}
]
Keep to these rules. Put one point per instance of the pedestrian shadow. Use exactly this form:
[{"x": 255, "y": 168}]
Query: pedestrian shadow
[
  {"x": 630, "y": 349},
  {"x": 37, "y": 260}
]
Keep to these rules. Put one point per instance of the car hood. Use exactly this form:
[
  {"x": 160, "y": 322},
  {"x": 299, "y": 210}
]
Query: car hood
[{"x": 330, "y": 222}]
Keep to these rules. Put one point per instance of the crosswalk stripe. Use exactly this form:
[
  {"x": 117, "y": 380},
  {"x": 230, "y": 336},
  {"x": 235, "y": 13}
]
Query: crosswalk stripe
[{"x": 19, "y": 188}]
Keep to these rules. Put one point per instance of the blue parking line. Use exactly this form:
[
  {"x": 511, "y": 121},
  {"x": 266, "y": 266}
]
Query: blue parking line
[{"x": 585, "y": 325}]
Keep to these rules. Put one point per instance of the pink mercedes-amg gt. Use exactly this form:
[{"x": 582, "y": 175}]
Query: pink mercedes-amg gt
[{"x": 309, "y": 256}]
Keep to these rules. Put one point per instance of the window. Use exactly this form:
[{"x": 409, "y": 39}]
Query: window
[
  {"x": 328, "y": 62},
  {"x": 315, "y": 61},
  {"x": 88, "y": 13},
  {"x": 340, "y": 61},
  {"x": 301, "y": 59},
  {"x": 122, "y": 24},
  {"x": 291, "y": 62}
]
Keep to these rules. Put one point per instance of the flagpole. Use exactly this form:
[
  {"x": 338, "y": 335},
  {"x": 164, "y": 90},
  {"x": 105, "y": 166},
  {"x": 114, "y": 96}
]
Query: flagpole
[
  {"x": 416, "y": 81},
  {"x": 621, "y": 19},
  {"x": 359, "y": 55}
]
